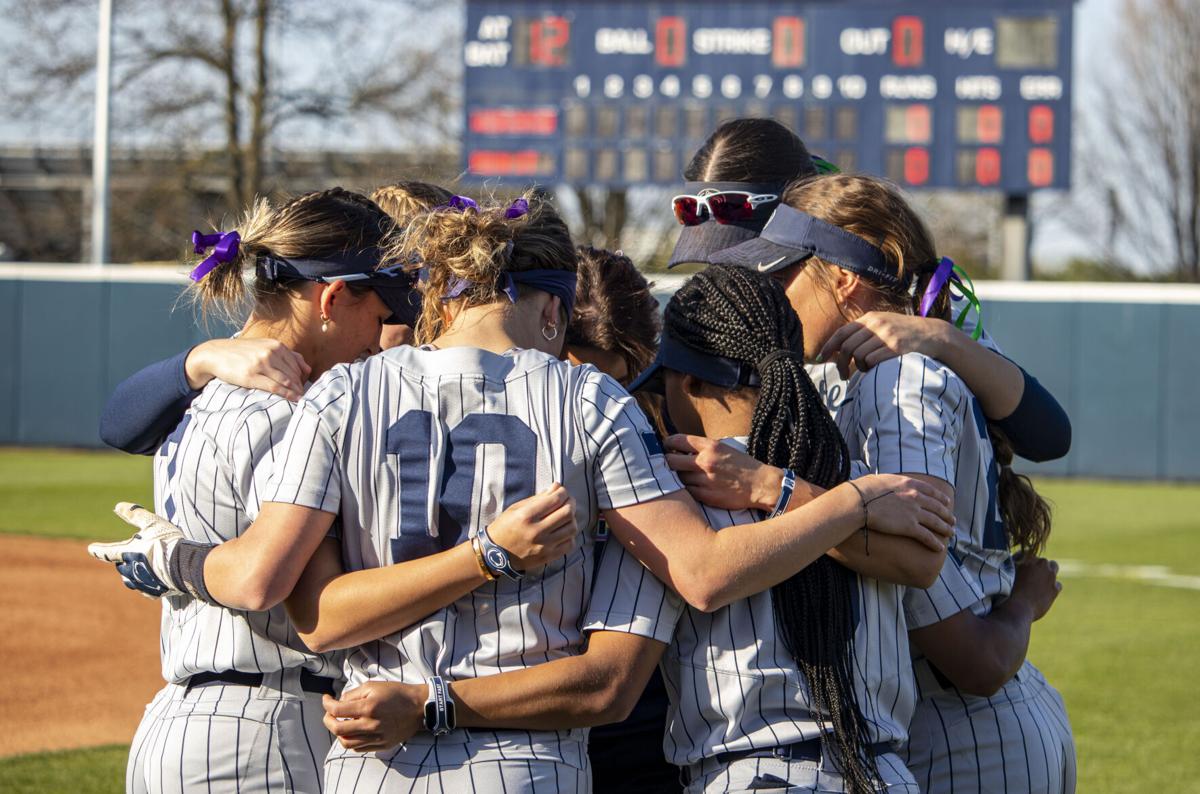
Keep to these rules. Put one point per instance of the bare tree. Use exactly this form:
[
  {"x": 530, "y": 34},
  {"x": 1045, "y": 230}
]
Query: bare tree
[
  {"x": 243, "y": 76},
  {"x": 1137, "y": 157}
]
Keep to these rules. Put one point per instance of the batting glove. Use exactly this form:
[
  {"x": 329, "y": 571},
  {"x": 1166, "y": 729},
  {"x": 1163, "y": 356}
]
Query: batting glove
[{"x": 144, "y": 560}]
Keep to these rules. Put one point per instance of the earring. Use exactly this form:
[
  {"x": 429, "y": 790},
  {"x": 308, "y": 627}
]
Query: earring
[
  {"x": 550, "y": 337},
  {"x": 324, "y": 323}
]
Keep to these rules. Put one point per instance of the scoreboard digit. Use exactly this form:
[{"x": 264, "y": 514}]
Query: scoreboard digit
[{"x": 930, "y": 93}]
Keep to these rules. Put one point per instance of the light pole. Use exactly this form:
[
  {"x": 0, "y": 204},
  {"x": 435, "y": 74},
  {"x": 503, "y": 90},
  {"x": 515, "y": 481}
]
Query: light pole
[{"x": 100, "y": 138}]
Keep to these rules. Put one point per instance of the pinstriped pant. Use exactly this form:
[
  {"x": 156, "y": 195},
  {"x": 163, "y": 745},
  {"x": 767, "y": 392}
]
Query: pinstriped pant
[
  {"x": 1018, "y": 740},
  {"x": 768, "y": 774},
  {"x": 225, "y": 738},
  {"x": 427, "y": 767}
]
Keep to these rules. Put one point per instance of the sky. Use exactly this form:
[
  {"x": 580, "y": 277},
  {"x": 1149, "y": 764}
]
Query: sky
[{"x": 1053, "y": 243}]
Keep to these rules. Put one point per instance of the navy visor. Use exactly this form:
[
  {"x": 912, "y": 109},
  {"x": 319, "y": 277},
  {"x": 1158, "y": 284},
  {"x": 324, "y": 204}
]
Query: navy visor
[
  {"x": 792, "y": 236},
  {"x": 673, "y": 354}
]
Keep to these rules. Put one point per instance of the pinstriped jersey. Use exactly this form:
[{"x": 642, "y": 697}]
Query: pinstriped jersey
[
  {"x": 209, "y": 477},
  {"x": 734, "y": 685},
  {"x": 418, "y": 450},
  {"x": 913, "y": 414}
]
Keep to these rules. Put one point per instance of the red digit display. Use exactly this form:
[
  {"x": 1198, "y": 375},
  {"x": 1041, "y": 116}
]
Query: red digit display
[
  {"x": 989, "y": 124},
  {"x": 916, "y": 166},
  {"x": 548, "y": 39},
  {"x": 1041, "y": 124},
  {"x": 787, "y": 42},
  {"x": 987, "y": 166},
  {"x": 1041, "y": 167},
  {"x": 513, "y": 121},
  {"x": 670, "y": 41},
  {"x": 509, "y": 163},
  {"x": 917, "y": 124},
  {"x": 908, "y": 41}
]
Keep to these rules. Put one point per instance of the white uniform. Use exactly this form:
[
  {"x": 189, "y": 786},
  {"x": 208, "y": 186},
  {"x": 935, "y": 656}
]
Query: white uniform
[
  {"x": 208, "y": 479},
  {"x": 734, "y": 687},
  {"x": 914, "y": 415},
  {"x": 416, "y": 451}
]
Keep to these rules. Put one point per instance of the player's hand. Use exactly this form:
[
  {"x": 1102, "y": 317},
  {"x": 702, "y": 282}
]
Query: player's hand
[
  {"x": 900, "y": 505},
  {"x": 878, "y": 336},
  {"x": 1036, "y": 584},
  {"x": 143, "y": 560},
  {"x": 718, "y": 475},
  {"x": 376, "y": 716},
  {"x": 537, "y": 530},
  {"x": 263, "y": 364}
]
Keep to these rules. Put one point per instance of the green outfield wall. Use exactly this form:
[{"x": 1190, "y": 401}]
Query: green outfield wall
[{"x": 1123, "y": 358}]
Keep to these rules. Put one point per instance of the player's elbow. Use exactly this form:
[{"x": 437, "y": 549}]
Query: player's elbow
[
  {"x": 320, "y": 641},
  {"x": 923, "y": 571},
  {"x": 983, "y": 678},
  {"x": 259, "y": 591},
  {"x": 255, "y": 599},
  {"x": 614, "y": 700},
  {"x": 705, "y": 594}
]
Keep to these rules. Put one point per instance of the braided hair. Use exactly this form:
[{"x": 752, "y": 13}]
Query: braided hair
[{"x": 745, "y": 316}]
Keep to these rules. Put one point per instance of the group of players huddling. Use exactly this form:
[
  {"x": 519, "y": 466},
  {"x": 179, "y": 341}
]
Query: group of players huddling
[{"x": 455, "y": 494}]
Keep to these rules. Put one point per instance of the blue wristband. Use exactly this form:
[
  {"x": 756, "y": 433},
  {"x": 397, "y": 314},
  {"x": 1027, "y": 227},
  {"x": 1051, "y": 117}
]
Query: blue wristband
[
  {"x": 440, "y": 718},
  {"x": 785, "y": 494},
  {"x": 496, "y": 558}
]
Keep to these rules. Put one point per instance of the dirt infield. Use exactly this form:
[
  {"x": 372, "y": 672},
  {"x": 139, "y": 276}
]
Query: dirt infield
[{"x": 78, "y": 652}]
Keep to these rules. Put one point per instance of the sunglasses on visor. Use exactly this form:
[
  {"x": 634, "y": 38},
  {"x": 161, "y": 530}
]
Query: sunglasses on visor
[{"x": 725, "y": 206}]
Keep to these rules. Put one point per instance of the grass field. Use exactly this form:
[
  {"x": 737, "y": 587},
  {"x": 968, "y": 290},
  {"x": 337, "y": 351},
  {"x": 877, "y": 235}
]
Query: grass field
[{"x": 1121, "y": 650}]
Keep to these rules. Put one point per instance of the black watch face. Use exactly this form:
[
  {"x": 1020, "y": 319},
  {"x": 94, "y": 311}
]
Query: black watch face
[{"x": 430, "y": 716}]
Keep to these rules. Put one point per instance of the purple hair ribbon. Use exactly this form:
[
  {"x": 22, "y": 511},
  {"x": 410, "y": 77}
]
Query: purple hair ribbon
[
  {"x": 225, "y": 249},
  {"x": 518, "y": 208},
  {"x": 462, "y": 203},
  {"x": 941, "y": 275},
  {"x": 959, "y": 282},
  {"x": 457, "y": 287}
]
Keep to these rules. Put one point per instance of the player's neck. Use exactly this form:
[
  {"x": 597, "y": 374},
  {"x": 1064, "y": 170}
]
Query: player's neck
[
  {"x": 490, "y": 327},
  {"x": 285, "y": 331},
  {"x": 724, "y": 419}
]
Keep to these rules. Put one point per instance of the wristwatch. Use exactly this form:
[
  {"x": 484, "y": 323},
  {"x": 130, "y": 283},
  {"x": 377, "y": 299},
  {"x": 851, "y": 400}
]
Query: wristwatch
[
  {"x": 439, "y": 708},
  {"x": 497, "y": 558}
]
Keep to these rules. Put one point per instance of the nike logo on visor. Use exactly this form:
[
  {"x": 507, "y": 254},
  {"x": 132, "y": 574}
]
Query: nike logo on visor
[{"x": 764, "y": 268}]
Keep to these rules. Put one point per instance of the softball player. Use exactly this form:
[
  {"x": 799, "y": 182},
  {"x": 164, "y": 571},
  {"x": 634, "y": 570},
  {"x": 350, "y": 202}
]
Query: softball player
[
  {"x": 242, "y": 706},
  {"x": 734, "y": 183},
  {"x": 913, "y": 414},
  {"x": 500, "y": 419},
  {"x": 148, "y": 405},
  {"x": 807, "y": 685}
]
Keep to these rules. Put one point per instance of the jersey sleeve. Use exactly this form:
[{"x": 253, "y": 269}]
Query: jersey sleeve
[
  {"x": 251, "y": 451},
  {"x": 308, "y": 470},
  {"x": 628, "y": 598},
  {"x": 628, "y": 460},
  {"x": 146, "y": 406},
  {"x": 911, "y": 414},
  {"x": 955, "y": 590}
]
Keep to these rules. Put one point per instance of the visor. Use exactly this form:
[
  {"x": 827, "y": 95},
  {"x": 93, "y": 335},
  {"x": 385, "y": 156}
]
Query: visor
[
  {"x": 697, "y": 243},
  {"x": 394, "y": 285},
  {"x": 673, "y": 354},
  {"x": 792, "y": 236}
]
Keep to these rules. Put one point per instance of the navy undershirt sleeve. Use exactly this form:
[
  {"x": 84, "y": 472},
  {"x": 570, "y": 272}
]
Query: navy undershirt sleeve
[
  {"x": 1038, "y": 428},
  {"x": 146, "y": 406}
]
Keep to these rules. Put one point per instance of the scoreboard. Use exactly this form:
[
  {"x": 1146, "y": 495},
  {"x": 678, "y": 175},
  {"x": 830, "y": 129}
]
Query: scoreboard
[{"x": 929, "y": 93}]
